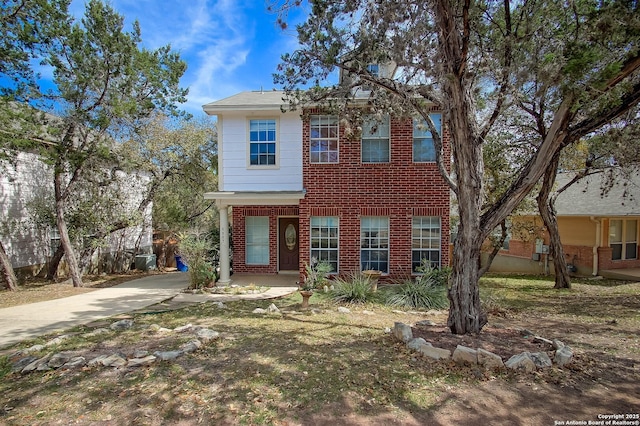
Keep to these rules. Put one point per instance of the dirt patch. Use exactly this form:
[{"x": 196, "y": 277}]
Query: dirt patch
[{"x": 504, "y": 342}]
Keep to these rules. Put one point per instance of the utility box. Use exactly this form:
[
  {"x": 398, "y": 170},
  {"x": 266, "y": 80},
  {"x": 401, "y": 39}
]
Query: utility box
[{"x": 145, "y": 262}]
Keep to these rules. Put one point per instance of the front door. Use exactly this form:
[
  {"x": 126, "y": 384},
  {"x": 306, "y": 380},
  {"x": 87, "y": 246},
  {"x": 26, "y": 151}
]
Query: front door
[{"x": 288, "y": 243}]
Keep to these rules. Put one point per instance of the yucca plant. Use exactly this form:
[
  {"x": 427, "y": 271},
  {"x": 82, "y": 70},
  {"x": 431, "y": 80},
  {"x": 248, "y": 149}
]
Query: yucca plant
[
  {"x": 354, "y": 288},
  {"x": 424, "y": 292}
]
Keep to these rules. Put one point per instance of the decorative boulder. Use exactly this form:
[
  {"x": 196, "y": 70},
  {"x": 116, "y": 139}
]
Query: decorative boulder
[
  {"x": 121, "y": 325},
  {"x": 521, "y": 361},
  {"x": 402, "y": 332},
  {"x": 541, "y": 359},
  {"x": 489, "y": 359},
  {"x": 564, "y": 356},
  {"x": 416, "y": 343},
  {"x": 465, "y": 355},
  {"x": 433, "y": 352}
]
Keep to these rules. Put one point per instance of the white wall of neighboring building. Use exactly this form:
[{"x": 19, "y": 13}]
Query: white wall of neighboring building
[
  {"x": 235, "y": 172},
  {"x": 28, "y": 244},
  {"x": 25, "y": 243}
]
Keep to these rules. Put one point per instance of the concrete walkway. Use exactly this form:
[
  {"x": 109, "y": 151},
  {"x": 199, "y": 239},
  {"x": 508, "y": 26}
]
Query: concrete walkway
[{"x": 29, "y": 321}]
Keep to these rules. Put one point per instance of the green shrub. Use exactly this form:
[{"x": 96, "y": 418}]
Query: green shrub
[
  {"x": 354, "y": 288},
  {"x": 424, "y": 293},
  {"x": 195, "y": 250}
]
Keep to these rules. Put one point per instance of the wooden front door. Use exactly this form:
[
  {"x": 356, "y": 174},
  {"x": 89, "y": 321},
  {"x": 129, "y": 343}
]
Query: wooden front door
[{"x": 288, "y": 243}]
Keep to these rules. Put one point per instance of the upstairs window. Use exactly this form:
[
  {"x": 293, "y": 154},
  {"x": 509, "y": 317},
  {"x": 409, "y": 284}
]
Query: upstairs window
[
  {"x": 262, "y": 142},
  {"x": 323, "y": 140},
  {"x": 375, "y": 141},
  {"x": 424, "y": 150},
  {"x": 374, "y": 70}
]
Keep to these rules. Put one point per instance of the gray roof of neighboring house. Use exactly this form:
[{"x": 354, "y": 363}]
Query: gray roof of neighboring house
[
  {"x": 249, "y": 100},
  {"x": 601, "y": 194}
]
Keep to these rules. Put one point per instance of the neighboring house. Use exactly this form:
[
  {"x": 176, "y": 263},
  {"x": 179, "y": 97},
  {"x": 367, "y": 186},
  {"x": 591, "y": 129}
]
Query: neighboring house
[
  {"x": 598, "y": 221},
  {"x": 30, "y": 245},
  {"x": 301, "y": 186}
]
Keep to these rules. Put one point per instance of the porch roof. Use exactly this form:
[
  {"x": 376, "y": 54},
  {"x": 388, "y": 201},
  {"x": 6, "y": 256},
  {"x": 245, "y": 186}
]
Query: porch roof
[{"x": 256, "y": 198}]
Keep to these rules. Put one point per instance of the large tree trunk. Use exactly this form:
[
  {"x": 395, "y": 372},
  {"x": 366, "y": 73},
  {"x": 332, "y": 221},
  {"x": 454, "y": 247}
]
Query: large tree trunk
[
  {"x": 548, "y": 214},
  {"x": 65, "y": 241},
  {"x": 52, "y": 271},
  {"x": 7, "y": 270}
]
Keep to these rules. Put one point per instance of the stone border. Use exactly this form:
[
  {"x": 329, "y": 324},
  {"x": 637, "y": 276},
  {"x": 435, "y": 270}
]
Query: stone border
[
  {"x": 26, "y": 363},
  {"x": 525, "y": 361}
]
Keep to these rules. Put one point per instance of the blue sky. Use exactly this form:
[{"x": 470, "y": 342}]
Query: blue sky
[{"x": 229, "y": 45}]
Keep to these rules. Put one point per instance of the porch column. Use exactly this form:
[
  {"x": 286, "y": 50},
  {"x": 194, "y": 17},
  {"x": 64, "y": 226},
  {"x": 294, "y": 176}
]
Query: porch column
[{"x": 225, "y": 277}]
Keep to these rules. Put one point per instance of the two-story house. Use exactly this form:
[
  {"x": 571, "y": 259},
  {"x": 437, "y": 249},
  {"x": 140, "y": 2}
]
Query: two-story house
[{"x": 304, "y": 184}]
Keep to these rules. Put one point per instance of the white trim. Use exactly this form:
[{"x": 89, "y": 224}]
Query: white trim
[{"x": 233, "y": 198}]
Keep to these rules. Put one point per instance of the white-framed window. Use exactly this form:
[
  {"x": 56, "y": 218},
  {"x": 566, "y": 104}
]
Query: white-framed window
[
  {"x": 324, "y": 240},
  {"x": 256, "y": 240},
  {"x": 262, "y": 142},
  {"x": 424, "y": 150},
  {"x": 375, "y": 140},
  {"x": 425, "y": 241},
  {"x": 623, "y": 239},
  {"x": 374, "y": 70},
  {"x": 323, "y": 139},
  {"x": 374, "y": 243}
]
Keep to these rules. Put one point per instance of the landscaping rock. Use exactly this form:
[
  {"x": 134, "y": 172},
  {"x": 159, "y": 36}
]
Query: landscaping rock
[
  {"x": 122, "y": 325},
  {"x": 183, "y": 328},
  {"x": 259, "y": 311},
  {"x": 220, "y": 305},
  {"x": 557, "y": 344},
  {"x": 206, "y": 335},
  {"x": 416, "y": 343},
  {"x": 399, "y": 312},
  {"x": 433, "y": 352},
  {"x": 138, "y": 362},
  {"x": 168, "y": 355},
  {"x": 365, "y": 312},
  {"x": 541, "y": 359},
  {"x": 59, "y": 359},
  {"x": 139, "y": 353},
  {"x": 563, "y": 356},
  {"x": 489, "y": 359},
  {"x": 273, "y": 309},
  {"x": 97, "y": 332},
  {"x": 97, "y": 360},
  {"x": 521, "y": 361},
  {"x": 465, "y": 355},
  {"x": 57, "y": 340},
  {"x": 34, "y": 348},
  {"x": 35, "y": 365},
  {"x": 425, "y": 323},
  {"x": 344, "y": 310},
  {"x": 402, "y": 332},
  {"x": 75, "y": 362},
  {"x": 191, "y": 346},
  {"x": 114, "y": 360},
  {"x": 22, "y": 363}
]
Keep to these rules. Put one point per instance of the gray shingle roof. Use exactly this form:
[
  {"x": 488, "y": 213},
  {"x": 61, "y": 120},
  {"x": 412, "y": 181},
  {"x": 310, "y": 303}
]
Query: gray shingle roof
[
  {"x": 245, "y": 101},
  {"x": 589, "y": 197}
]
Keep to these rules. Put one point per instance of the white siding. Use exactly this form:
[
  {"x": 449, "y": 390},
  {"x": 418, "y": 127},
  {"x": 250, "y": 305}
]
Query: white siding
[
  {"x": 31, "y": 180},
  {"x": 237, "y": 175}
]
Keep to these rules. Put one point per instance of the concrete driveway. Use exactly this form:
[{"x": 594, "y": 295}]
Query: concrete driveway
[{"x": 28, "y": 321}]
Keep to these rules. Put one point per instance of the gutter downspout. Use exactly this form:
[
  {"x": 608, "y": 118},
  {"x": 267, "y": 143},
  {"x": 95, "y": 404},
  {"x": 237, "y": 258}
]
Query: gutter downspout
[{"x": 597, "y": 244}]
